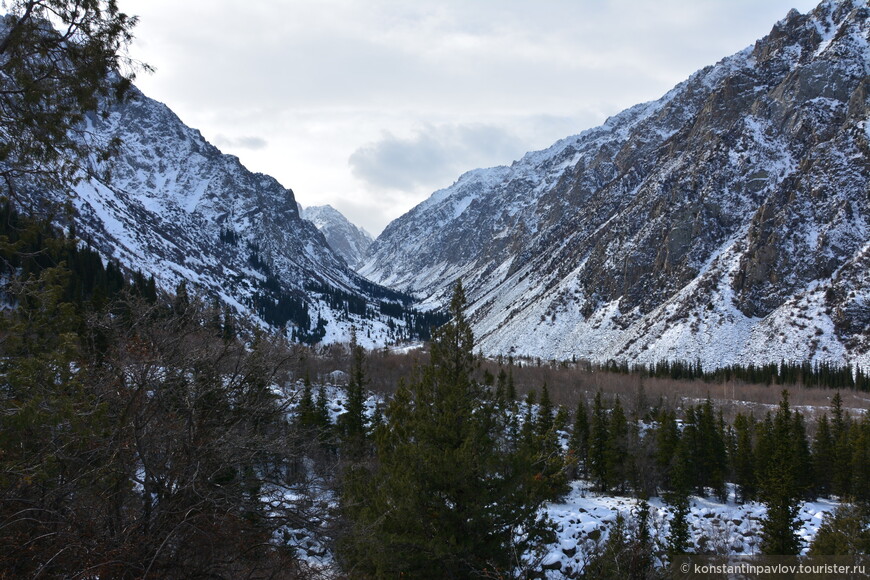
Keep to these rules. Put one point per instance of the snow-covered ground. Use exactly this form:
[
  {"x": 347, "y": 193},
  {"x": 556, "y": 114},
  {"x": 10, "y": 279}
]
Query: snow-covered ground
[{"x": 584, "y": 517}]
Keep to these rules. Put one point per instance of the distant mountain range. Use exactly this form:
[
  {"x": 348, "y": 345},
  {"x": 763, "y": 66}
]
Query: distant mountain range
[{"x": 726, "y": 222}]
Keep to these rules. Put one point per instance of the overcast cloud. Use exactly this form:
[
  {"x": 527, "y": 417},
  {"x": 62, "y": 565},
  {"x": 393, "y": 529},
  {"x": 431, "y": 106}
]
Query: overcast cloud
[
  {"x": 372, "y": 105},
  {"x": 434, "y": 154}
]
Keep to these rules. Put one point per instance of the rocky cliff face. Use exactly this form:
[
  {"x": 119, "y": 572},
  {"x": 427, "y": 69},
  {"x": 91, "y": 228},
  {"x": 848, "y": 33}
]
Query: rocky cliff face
[
  {"x": 727, "y": 221},
  {"x": 178, "y": 209},
  {"x": 347, "y": 240}
]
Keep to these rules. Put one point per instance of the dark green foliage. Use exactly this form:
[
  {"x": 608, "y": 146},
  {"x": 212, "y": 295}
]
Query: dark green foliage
[
  {"x": 667, "y": 435},
  {"x": 841, "y": 476},
  {"x": 444, "y": 495},
  {"x": 28, "y": 247},
  {"x": 860, "y": 444},
  {"x": 599, "y": 435},
  {"x": 617, "y": 459},
  {"x": 743, "y": 459},
  {"x": 679, "y": 535},
  {"x": 59, "y": 61},
  {"x": 845, "y": 532},
  {"x": 353, "y": 424},
  {"x": 780, "y": 483},
  {"x": 540, "y": 452},
  {"x": 819, "y": 374},
  {"x": 701, "y": 452}
]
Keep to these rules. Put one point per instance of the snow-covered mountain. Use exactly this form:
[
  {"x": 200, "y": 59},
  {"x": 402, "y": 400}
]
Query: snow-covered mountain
[
  {"x": 347, "y": 240},
  {"x": 180, "y": 210},
  {"x": 726, "y": 222}
]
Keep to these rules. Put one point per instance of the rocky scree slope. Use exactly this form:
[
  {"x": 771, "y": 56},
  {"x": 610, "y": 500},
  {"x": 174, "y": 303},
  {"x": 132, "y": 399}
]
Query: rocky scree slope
[
  {"x": 180, "y": 210},
  {"x": 726, "y": 222}
]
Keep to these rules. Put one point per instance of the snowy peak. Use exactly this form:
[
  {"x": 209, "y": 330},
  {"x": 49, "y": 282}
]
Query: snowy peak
[
  {"x": 347, "y": 240},
  {"x": 723, "y": 221}
]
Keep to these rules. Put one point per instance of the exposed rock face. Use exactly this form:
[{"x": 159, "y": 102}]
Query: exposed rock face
[
  {"x": 727, "y": 221},
  {"x": 179, "y": 209},
  {"x": 347, "y": 240}
]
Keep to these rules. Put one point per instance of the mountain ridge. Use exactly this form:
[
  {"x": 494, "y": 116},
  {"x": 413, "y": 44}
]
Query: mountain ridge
[
  {"x": 179, "y": 209},
  {"x": 705, "y": 224},
  {"x": 347, "y": 239}
]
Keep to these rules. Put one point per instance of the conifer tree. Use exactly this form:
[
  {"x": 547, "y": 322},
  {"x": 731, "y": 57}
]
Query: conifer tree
[
  {"x": 711, "y": 455},
  {"x": 841, "y": 477},
  {"x": 667, "y": 436},
  {"x": 511, "y": 389},
  {"x": 743, "y": 461},
  {"x": 599, "y": 435},
  {"x": 801, "y": 457},
  {"x": 545, "y": 413},
  {"x": 501, "y": 388},
  {"x": 353, "y": 424},
  {"x": 780, "y": 487},
  {"x": 860, "y": 439},
  {"x": 617, "y": 457},
  {"x": 541, "y": 452},
  {"x": 59, "y": 60},
  {"x": 444, "y": 495},
  {"x": 844, "y": 532},
  {"x": 823, "y": 456}
]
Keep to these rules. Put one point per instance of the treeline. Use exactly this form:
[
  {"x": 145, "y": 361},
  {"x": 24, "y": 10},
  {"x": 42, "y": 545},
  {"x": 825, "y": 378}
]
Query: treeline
[
  {"x": 823, "y": 374},
  {"x": 644, "y": 455}
]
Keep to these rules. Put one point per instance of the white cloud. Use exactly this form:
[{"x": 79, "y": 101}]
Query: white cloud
[
  {"x": 408, "y": 90},
  {"x": 432, "y": 155}
]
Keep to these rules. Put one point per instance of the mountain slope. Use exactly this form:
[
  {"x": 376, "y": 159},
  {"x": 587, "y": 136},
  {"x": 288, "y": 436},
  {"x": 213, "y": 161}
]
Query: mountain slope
[
  {"x": 347, "y": 240},
  {"x": 180, "y": 210},
  {"x": 727, "y": 221}
]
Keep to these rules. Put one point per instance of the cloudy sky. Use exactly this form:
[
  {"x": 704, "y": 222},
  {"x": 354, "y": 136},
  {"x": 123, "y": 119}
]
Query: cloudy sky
[{"x": 371, "y": 105}]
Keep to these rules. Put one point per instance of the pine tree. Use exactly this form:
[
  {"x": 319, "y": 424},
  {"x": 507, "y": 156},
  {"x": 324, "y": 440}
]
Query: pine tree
[
  {"x": 841, "y": 477},
  {"x": 711, "y": 455},
  {"x": 501, "y": 388},
  {"x": 845, "y": 532},
  {"x": 60, "y": 61},
  {"x": 617, "y": 457},
  {"x": 823, "y": 457},
  {"x": 801, "y": 458},
  {"x": 780, "y": 487},
  {"x": 743, "y": 461},
  {"x": 667, "y": 436},
  {"x": 444, "y": 496},
  {"x": 541, "y": 452},
  {"x": 860, "y": 440},
  {"x": 353, "y": 424},
  {"x": 599, "y": 436}
]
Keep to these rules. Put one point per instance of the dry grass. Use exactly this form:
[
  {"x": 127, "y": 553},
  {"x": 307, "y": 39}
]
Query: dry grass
[{"x": 568, "y": 384}]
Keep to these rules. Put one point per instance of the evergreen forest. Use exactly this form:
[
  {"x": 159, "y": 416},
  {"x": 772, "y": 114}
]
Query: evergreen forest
[{"x": 146, "y": 434}]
